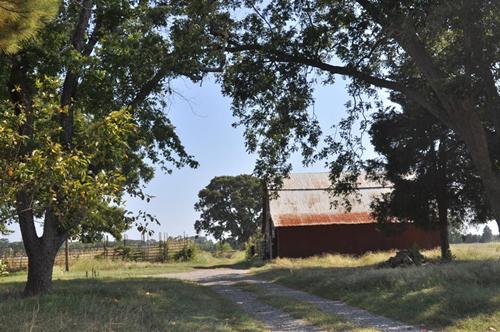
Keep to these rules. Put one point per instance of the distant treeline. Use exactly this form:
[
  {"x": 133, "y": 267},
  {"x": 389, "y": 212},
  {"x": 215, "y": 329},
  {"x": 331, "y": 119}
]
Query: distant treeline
[{"x": 487, "y": 236}]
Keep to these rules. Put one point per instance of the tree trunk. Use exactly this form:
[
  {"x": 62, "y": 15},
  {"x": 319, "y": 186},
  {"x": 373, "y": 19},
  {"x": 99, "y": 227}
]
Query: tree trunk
[
  {"x": 491, "y": 184},
  {"x": 41, "y": 251},
  {"x": 41, "y": 261},
  {"x": 470, "y": 129},
  {"x": 442, "y": 198},
  {"x": 40, "y": 266},
  {"x": 443, "y": 233},
  {"x": 41, "y": 258},
  {"x": 66, "y": 255}
]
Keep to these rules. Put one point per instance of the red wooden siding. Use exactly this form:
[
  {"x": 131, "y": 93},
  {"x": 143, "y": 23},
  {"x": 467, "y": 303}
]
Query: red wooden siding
[{"x": 304, "y": 241}]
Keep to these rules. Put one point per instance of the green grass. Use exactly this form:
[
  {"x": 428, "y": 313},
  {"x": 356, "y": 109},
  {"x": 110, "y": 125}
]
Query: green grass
[
  {"x": 128, "y": 269},
  {"x": 303, "y": 310},
  {"x": 462, "y": 295},
  {"x": 149, "y": 304},
  {"x": 121, "y": 299},
  {"x": 130, "y": 296}
]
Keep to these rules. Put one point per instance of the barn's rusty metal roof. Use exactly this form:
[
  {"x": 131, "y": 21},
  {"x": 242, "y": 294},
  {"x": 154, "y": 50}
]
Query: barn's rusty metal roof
[{"x": 304, "y": 200}]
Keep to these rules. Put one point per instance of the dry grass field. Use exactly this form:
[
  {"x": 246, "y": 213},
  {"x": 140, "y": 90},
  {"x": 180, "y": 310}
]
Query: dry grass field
[{"x": 460, "y": 296}]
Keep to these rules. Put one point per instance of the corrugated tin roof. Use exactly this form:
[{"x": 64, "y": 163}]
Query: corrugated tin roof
[{"x": 304, "y": 201}]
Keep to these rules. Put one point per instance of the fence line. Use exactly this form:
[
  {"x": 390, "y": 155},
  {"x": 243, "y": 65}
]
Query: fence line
[{"x": 160, "y": 251}]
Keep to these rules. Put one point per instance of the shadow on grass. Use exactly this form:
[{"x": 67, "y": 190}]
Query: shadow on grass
[
  {"x": 436, "y": 295},
  {"x": 139, "y": 304}
]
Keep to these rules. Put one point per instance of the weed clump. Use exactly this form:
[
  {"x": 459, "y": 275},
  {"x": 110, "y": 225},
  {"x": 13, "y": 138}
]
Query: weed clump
[
  {"x": 405, "y": 258},
  {"x": 223, "y": 250},
  {"x": 3, "y": 269}
]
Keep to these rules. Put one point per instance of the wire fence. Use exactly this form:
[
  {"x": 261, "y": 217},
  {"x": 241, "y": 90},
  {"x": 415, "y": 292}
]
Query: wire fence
[{"x": 149, "y": 251}]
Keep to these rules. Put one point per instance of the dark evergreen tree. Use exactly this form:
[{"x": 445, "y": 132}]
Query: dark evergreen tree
[
  {"x": 433, "y": 177},
  {"x": 487, "y": 235}
]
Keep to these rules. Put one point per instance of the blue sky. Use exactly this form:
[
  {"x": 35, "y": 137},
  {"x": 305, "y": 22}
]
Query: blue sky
[{"x": 203, "y": 119}]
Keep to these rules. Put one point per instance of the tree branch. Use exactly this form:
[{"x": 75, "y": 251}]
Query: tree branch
[
  {"x": 147, "y": 88},
  {"x": 349, "y": 71},
  {"x": 153, "y": 82},
  {"x": 71, "y": 79},
  {"x": 404, "y": 33},
  {"x": 26, "y": 221}
]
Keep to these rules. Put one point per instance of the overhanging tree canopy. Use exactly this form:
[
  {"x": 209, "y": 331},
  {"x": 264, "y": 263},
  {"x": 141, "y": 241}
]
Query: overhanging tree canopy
[
  {"x": 443, "y": 55},
  {"x": 83, "y": 108}
]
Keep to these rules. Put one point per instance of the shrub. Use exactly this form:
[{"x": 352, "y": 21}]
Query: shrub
[
  {"x": 223, "y": 249},
  {"x": 3, "y": 269},
  {"x": 253, "y": 247},
  {"x": 187, "y": 253}
]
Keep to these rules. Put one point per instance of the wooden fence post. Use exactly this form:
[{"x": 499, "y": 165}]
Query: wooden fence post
[
  {"x": 160, "y": 249},
  {"x": 147, "y": 247},
  {"x": 66, "y": 256},
  {"x": 166, "y": 246},
  {"x": 105, "y": 247}
]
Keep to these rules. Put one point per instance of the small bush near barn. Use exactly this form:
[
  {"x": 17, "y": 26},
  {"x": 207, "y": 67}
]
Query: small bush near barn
[
  {"x": 3, "y": 269},
  {"x": 463, "y": 295},
  {"x": 223, "y": 250},
  {"x": 187, "y": 253},
  {"x": 253, "y": 246}
]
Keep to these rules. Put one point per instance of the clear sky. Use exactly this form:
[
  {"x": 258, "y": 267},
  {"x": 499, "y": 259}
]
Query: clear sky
[{"x": 203, "y": 119}]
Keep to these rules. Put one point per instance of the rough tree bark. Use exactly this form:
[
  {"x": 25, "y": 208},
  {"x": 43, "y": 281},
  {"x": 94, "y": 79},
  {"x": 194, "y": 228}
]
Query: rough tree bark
[
  {"x": 442, "y": 200},
  {"x": 42, "y": 250},
  {"x": 471, "y": 130}
]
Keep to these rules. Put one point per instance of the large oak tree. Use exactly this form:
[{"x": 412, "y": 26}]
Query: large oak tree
[
  {"x": 83, "y": 119},
  {"x": 230, "y": 208},
  {"x": 443, "y": 55}
]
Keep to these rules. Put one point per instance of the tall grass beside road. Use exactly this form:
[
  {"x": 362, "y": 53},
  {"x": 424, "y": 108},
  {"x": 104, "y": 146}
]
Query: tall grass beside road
[{"x": 461, "y": 295}]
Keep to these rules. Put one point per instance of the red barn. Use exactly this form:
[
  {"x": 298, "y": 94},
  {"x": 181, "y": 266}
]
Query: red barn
[{"x": 302, "y": 222}]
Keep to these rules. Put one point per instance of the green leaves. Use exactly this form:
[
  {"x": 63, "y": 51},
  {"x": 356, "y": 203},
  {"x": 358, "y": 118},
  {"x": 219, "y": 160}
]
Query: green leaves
[
  {"x": 429, "y": 169},
  {"x": 21, "y": 20},
  {"x": 86, "y": 120},
  {"x": 440, "y": 55},
  {"x": 73, "y": 183},
  {"x": 231, "y": 208}
]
